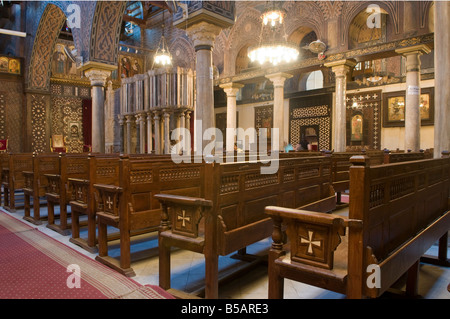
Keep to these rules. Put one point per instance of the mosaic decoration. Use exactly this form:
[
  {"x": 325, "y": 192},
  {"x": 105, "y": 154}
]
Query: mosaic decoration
[
  {"x": 70, "y": 90},
  {"x": 66, "y": 116},
  {"x": 2, "y": 116},
  {"x": 38, "y": 111},
  {"x": 365, "y": 106}
]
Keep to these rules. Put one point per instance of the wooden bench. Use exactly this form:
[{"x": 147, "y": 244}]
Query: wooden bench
[
  {"x": 231, "y": 215},
  {"x": 101, "y": 168},
  {"x": 131, "y": 207},
  {"x": 4, "y": 160},
  {"x": 36, "y": 184},
  {"x": 398, "y": 157},
  {"x": 58, "y": 192},
  {"x": 396, "y": 213},
  {"x": 340, "y": 162},
  {"x": 12, "y": 177}
]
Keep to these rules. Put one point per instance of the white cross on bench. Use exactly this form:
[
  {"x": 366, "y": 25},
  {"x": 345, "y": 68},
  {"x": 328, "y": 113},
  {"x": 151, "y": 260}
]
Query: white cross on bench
[
  {"x": 184, "y": 218},
  {"x": 80, "y": 192},
  {"x": 109, "y": 202},
  {"x": 310, "y": 242}
]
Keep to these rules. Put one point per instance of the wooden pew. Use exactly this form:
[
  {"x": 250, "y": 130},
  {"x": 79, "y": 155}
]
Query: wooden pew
[
  {"x": 4, "y": 160},
  {"x": 340, "y": 162},
  {"x": 232, "y": 211},
  {"x": 12, "y": 177},
  {"x": 58, "y": 191},
  {"x": 396, "y": 213},
  {"x": 36, "y": 184},
  {"x": 398, "y": 157},
  {"x": 130, "y": 206},
  {"x": 101, "y": 168}
]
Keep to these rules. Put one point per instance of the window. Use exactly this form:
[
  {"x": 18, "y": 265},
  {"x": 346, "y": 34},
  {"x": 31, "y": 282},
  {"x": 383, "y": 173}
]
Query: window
[{"x": 315, "y": 80}]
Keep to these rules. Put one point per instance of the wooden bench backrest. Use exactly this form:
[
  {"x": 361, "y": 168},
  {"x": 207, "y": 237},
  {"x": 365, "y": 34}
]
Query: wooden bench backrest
[
  {"x": 19, "y": 162},
  {"x": 140, "y": 178},
  {"x": 403, "y": 157},
  {"x": 74, "y": 166},
  {"x": 240, "y": 194},
  {"x": 47, "y": 163},
  {"x": 395, "y": 202}
]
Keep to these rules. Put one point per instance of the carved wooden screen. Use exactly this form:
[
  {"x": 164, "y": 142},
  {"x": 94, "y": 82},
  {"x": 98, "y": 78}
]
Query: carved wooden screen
[{"x": 311, "y": 113}]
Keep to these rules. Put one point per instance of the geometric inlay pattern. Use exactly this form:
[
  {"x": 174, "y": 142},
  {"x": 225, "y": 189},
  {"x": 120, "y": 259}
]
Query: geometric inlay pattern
[
  {"x": 38, "y": 116},
  {"x": 2, "y": 116}
]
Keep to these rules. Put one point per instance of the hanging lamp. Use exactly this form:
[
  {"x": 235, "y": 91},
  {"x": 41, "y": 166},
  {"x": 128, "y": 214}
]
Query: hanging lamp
[
  {"x": 162, "y": 55},
  {"x": 272, "y": 48}
]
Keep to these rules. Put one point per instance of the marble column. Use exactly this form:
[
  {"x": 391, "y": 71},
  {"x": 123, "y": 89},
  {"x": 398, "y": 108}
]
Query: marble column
[
  {"x": 278, "y": 80},
  {"x": 166, "y": 133},
  {"x": 188, "y": 144},
  {"x": 156, "y": 118},
  {"x": 231, "y": 90},
  {"x": 149, "y": 133},
  {"x": 98, "y": 81},
  {"x": 182, "y": 120},
  {"x": 441, "y": 77},
  {"x": 412, "y": 100},
  {"x": 138, "y": 135},
  {"x": 140, "y": 131},
  {"x": 128, "y": 137},
  {"x": 203, "y": 35},
  {"x": 121, "y": 134},
  {"x": 340, "y": 68}
]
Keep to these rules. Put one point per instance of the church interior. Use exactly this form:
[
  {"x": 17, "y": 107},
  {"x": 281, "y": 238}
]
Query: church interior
[{"x": 350, "y": 100}]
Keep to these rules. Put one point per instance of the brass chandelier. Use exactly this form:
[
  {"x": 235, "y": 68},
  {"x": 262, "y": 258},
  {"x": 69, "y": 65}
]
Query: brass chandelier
[{"x": 272, "y": 48}]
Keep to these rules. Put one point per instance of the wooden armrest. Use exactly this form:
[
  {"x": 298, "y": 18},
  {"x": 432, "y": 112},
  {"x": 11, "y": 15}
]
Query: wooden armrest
[
  {"x": 54, "y": 183},
  {"x": 79, "y": 188},
  {"x": 28, "y": 177},
  {"x": 185, "y": 200},
  {"x": 313, "y": 236},
  {"x": 184, "y": 213},
  {"x": 108, "y": 199}
]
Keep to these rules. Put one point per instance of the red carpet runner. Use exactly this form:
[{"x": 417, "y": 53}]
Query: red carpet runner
[{"x": 34, "y": 266}]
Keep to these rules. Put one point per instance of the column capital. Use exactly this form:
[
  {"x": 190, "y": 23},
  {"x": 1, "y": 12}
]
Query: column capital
[
  {"x": 203, "y": 35},
  {"x": 279, "y": 78},
  {"x": 231, "y": 88},
  {"x": 416, "y": 49},
  {"x": 97, "y": 77},
  {"x": 341, "y": 67}
]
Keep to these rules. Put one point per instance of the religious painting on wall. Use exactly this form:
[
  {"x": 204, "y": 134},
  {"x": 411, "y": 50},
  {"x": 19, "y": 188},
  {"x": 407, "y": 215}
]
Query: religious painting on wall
[
  {"x": 357, "y": 128},
  {"x": 130, "y": 65},
  {"x": 63, "y": 66},
  {"x": 10, "y": 65},
  {"x": 394, "y": 108}
]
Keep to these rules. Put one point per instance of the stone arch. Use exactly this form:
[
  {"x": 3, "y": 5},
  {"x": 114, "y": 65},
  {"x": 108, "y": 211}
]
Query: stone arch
[
  {"x": 105, "y": 32},
  {"x": 47, "y": 33},
  {"x": 359, "y": 32},
  {"x": 304, "y": 15},
  {"x": 244, "y": 33},
  {"x": 354, "y": 8},
  {"x": 183, "y": 53}
]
